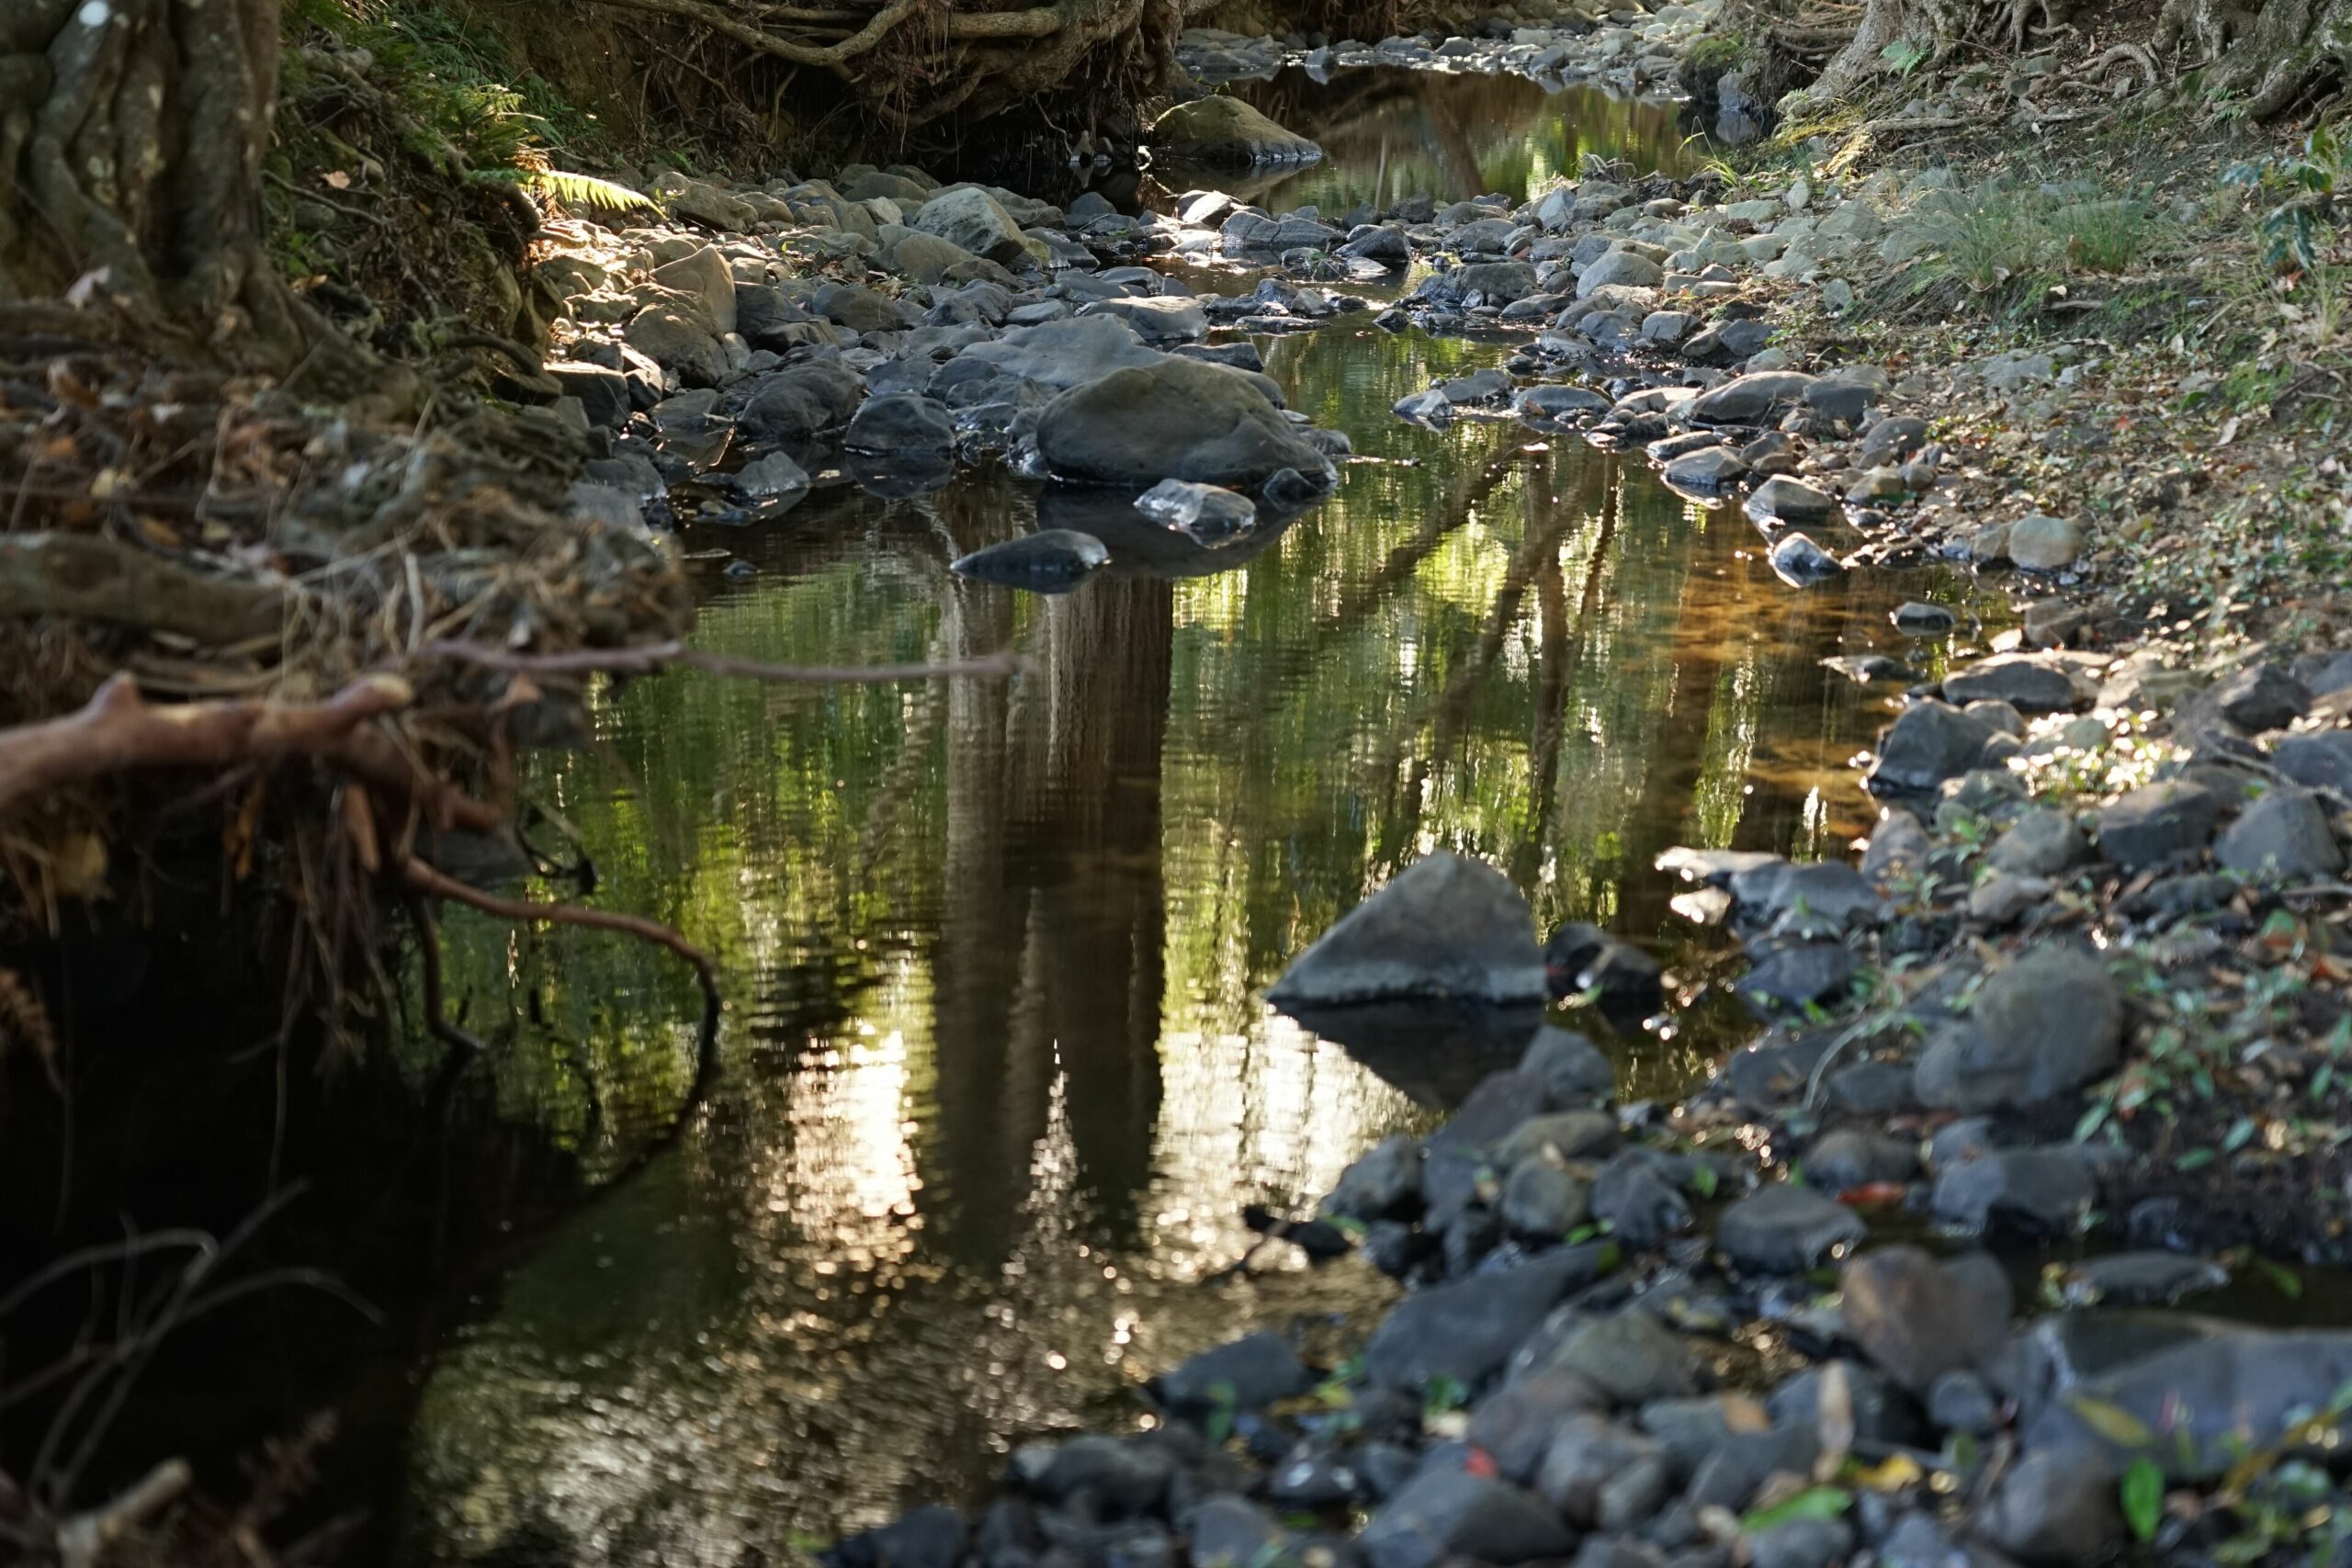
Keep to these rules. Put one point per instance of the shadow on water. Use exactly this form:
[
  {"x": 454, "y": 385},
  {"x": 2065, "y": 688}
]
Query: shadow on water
[{"x": 999, "y": 1078}]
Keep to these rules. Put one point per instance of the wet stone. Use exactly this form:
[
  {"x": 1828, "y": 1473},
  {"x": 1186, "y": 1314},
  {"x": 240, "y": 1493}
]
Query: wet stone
[
  {"x": 1930, "y": 743},
  {"x": 1783, "y": 500},
  {"x": 1917, "y": 1317},
  {"x": 1785, "y": 1229},
  {"x": 1049, "y": 561},
  {"x": 2037, "y": 1192},
  {"x": 1248, "y": 1374},
  {"x": 1848, "y": 1158}
]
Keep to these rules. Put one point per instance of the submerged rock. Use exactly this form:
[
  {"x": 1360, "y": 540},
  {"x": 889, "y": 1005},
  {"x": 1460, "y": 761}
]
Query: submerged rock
[
  {"x": 1049, "y": 561},
  {"x": 1221, "y": 132},
  {"x": 1444, "y": 927},
  {"x": 1204, "y": 513}
]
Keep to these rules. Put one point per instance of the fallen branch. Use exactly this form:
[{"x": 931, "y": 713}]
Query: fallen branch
[
  {"x": 1040, "y": 21},
  {"x": 94, "y": 579},
  {"x": 651, "y": 658}
]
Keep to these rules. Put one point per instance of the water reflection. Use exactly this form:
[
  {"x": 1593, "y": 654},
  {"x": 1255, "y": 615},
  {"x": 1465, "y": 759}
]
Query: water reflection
[{"x": 1388, "y": 131}]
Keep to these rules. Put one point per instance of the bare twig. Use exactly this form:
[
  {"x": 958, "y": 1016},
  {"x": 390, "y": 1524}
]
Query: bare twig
[{"x": 654, "y": 658}]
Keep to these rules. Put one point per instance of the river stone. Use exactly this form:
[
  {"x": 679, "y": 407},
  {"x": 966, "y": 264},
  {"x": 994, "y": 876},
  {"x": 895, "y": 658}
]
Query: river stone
[
  {"x": 1543, "y": 1201},
  {"x": 683, "y": 346},
  {"x": 704, "y": 276},
  {"x": 1467, "y": 1330},
  {"x": 2142, "y": 1278},
  {"x": 971, "y": 220},
  {"x": 1379, "y": 1182},
  {"x": 1917, "y": 1317},
  {"x": 1930, "y": 743},
  {"x": 1499, "y": 282},
  {"x": 2284, "y": 835},
  {"x": 926, "y": 258},
  {"x": 1708, "y": 469},
  {"x": 926, "y": 1537},
  {"x": 1794, "y": 976},
  {"x": 1816, "y": 898},
  {"x": 2260, "y": 697},
  {"x": 1586, "y": 1454},
  {"x": 1622, "y": 267},
  {"x": 1221, "y": 132},
  {"x": 1204, "y": 513},
  {"x": 1786, "y": 1228},
  {"x": 2042, "y": 841},
  {"x": 1558, "y": 402},
  {"x": 1800, "y": 562},
  {"x": 1783, "y": 500},
  {"x": 1447, "y": 1514},
  {"x": 1105, "y": 1475},
  {"x": 1249, "y": 1373},
  {"x": 2215, "y": 1395},
  {"x": 775, "y": 481},
  {"x": 1751, "y": 398},
  {"x": 2041, "y": 543},
  {"x": 1576, "y": 1075},
  {"x": 2042, "y": 1191},
  {"x": 1571, "y": 1134},
  {"x": 2157, "y": 823},
  {"x": 2315, "y": 761},
  {"x": 1848, "y": 1157},
  {"x": 901, "y": 421},
  {"x": 2055, "y": 1507},
  {"x": 1157, "y": 319},
  {"x": 1640, "y": 1206},
  {"x": 602, "y": 392},
  {"x": 1629, "y": 1356},
  {"x": 2049, "y": 1023},
  {"x": 1045, "y": 561},
  {"x": 1444, "y": 926},
  {"x": 1173, "y": 418},
  {"x": 1064, "y": 354},
  {"x": 2029, "y": 683},
  {"x": 1515, "y": 1425}
]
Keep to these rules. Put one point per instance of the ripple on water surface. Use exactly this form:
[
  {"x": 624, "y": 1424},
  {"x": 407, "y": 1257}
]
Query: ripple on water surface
[{"x": 997, "y": 1076}]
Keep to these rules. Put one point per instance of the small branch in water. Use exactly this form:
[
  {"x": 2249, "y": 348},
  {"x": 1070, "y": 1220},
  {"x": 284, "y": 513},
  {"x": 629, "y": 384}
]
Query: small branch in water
[{"x": 654, "y": 657}]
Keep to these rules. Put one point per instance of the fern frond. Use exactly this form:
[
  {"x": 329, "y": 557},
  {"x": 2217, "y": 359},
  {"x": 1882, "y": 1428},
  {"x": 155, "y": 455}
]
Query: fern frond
[{"x": 584, "y": 190}]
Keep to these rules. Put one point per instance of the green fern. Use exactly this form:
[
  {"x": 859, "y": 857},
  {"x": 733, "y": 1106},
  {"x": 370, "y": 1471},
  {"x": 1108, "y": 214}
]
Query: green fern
[{"x": 573, "y": 189}]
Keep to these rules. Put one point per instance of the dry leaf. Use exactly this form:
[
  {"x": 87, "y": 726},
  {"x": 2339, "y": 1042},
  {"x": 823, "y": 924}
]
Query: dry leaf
[{"x": 336, "y": 179}]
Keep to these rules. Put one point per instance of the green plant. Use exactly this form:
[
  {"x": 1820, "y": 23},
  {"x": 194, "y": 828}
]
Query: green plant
[
  {"x": 2298, "y": 192},
  {"x": 2142, "y": 1492}
]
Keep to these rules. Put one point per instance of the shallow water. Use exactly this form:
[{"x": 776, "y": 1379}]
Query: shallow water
[{"x": 997, "y": 1079}]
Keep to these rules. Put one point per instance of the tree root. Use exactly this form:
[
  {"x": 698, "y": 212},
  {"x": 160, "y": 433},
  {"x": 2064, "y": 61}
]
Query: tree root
[{"x": 96, "y": 579}]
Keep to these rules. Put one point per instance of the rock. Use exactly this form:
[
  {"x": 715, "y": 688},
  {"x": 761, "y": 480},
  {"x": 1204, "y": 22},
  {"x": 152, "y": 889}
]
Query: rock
[
  {"x": 1918, "y": 1318},
  {"x": 2047, "y": 1024},
  {"x": 1204, "y": 513},
  {"x": 1751, "y": 398},
  {"x": 1800, "y": 562},
  {"x": 1730, "y": 1477},
  {"x": 1930, "y": 743},
  {"x": 801, "y": 400},
  {"x": 2041, "y": 1191},
  {"x": 1708, "y": 470},
  {"x": 1063, "y": 353},
  {"x": 1898, "y": 850},
  {"x": 2005, "y": 897},
  {"x": 2284, "y": 835},
  {"x": 1583, "y": 958},
  {"x": 1881, "y": 1409},
  {"x": 1174, "y": 419},
  {"x": 1444, "y": 927},
  {"x": 1586, "y": 1454},
  {"x": 703, "y": 277},
  {"x": 1628, "y": 1356},
  {"x": 1848, "y": 1158},
  {"x": 1160, "y": 320},
  {"x": 1816, "y": 898},
  {"x": 1467, "y": 1330},
  {"x": 1515, "y": 1425},
  {"x": 2156, "y": 823},
  {"x": 1568, "y": 1135},
  {"x": 1641, "y": 1208},
  {"x": 683, "y": 346},
  {"x": 705, "y": 203},
  {"x": 901, "y": 421},
  {"x": 2056, "y": 1507},
  {"x": 1793, "y": 975},
  {"x": 1924, "y": 620},
  {"x": 1221, "y": 132},
  {"x": 2040, "y": 543},
  {"x": 1575, "y": 1073},
  {"x": 2315, "y": 761},
  {"x": 1248, "y": 1374},
  {"x": 1558, "y": 402},
  {"x": 971, "y": 220},
  {"x": 775, "y": 481},
  {"x": 1048, "y": 562},
  {"x": 2214, "y": 1396},
  {"x": 1543, "y": 1199},
  {"x": 2140, "y": 1279},
  {"x": 2027, "y": 681},
  {"x": 926, "y": 1537},
  {"x": 1450, "y": 1513},
  {"x": 859, "y": 309},
  {"x": 1802, "y": 1543},
  {"x": 927, "y": 259},
  {"x": 1499, "y": 283},
  {"x": 602, "y": 392},
  {"x": 1380, "y": 1181},
  {"x": 1785, "y": 1229},
  {"x": 2260, "y": 697},
  {"x": 1783, "y": 500},
  {"x": 1105, "y": 1475},
  {"x": 1226, "y": 1531},
  {"x": 1619, "y": 267},
  {"x": 2042, "y": 841},
  {"x": 1959, "y": 1402}
]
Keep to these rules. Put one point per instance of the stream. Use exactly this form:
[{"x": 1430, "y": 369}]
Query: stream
[{"x": 997, "y": 1076}]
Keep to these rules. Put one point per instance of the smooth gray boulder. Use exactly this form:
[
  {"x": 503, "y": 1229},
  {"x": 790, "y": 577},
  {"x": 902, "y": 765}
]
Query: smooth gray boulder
[
  {"x": 1444, "y": 927},
  {"x": 1156, "y": 318},
  {"x": 901, "y": 421},
  {"x": 972, "y": 219},
  {"x": 2284, "y": 835},
  {"x": 1048, "y": 562},
  {"x": 2047, "y": 1024},
  {"x": 1173, "y": 418}
]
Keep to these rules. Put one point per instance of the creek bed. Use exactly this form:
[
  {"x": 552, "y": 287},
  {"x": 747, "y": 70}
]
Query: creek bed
[{"x": 997, "y": 1079}]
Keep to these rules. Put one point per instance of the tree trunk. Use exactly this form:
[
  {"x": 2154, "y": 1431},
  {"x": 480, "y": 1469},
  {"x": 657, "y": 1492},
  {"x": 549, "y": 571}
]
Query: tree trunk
[{"x": 131, "y": 140}]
